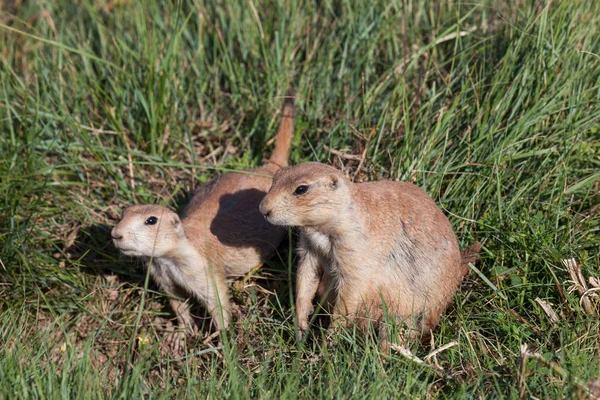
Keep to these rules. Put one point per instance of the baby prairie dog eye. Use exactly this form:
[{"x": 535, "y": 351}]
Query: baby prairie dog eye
[
  {"x": 300, "y": 190},
  {"x": 151, "y": 221}
]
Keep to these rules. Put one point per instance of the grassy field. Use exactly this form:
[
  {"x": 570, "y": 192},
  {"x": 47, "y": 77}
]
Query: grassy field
[{"x": 492, "y": 107}]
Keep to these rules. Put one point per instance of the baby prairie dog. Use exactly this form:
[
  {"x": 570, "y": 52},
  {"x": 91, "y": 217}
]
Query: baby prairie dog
[
  {"x": 381, "y": 248},
  {"x": 221, "y": 233}
]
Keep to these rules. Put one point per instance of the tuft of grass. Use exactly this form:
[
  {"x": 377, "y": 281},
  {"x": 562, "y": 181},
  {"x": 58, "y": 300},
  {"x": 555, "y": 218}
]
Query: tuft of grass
[{"x": 491, "y": 106}]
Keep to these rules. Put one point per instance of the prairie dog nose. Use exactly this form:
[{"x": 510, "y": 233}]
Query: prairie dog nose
[
  {"x": 115, "y": 234},
  {"x": 263, "y": 209}
]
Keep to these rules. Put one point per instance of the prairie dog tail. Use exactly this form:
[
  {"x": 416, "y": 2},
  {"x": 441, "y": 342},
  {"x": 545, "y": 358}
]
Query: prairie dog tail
[
  {"x": 470, "y": 255},
  {"x": 285, "y": 134}
]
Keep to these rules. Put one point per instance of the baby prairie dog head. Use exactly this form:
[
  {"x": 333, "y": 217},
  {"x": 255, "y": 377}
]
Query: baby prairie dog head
[
  {"x": 147, "y": 231},
  {"x": 306, "y": 195}
]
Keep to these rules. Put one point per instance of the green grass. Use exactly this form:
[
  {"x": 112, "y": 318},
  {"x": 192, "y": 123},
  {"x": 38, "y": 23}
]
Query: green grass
[{"x": 493, "y": 108}]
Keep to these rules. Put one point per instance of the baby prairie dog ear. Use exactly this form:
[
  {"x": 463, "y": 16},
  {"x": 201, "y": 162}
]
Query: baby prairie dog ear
[{"x": 177, "y": 226}]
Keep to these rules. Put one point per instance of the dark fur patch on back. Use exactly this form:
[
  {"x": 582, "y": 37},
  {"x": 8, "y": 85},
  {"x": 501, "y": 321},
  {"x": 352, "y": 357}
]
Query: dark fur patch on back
[{"x": 405, "y": 253}]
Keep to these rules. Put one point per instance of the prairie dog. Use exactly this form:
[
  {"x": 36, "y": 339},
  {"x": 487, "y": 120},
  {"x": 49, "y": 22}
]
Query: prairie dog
[
  {"x": 372, "y": 243},
  {"x": 221, "y": 233}
]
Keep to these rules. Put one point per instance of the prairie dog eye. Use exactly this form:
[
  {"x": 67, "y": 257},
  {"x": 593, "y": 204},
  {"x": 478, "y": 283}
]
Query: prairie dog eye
[
  {"x": 151, "y": 221},
  {"x": 300, "y": 190}
]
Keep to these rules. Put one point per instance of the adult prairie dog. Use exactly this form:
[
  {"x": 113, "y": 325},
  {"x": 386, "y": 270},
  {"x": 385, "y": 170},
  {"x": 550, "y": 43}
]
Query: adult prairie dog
[
  {"x": 376, "y": 242},
  {"x": 221, "y": 233}
]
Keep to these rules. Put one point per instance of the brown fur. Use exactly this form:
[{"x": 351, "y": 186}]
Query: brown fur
[
  {"x": 221, "y": 233},
  {"x": 385, "y": 247}
]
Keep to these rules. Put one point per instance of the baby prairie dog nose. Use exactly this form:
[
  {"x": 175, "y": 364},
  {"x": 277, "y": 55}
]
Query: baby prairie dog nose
[{"x": 116, "y": 235}]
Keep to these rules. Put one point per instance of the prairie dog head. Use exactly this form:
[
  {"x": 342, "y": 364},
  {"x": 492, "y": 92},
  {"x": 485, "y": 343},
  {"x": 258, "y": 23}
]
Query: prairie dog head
[
  {"x": 147, "y": 230},
  {"x": 309, "y": 194}
]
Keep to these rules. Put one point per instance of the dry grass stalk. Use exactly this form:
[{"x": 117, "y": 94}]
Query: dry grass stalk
[
  {"x": 404, "y": 351},
  {"x": 547, "y": 308},
  {"x": 581, "y": 287}
]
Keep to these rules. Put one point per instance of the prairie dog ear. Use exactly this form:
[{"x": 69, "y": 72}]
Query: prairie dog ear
[
  {"x": 334, "y": 182},
  {"x": 177, "y": 226}
]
